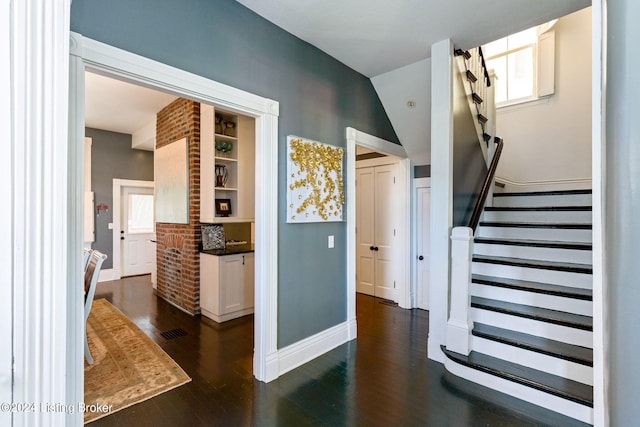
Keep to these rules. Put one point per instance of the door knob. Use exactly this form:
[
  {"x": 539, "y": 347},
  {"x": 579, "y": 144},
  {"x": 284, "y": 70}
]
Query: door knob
[
  {"x": 372, "y": 248},
  {"x": 375, "y": 248},
  {"x": 420, "y": 257},
  {"x": 121, "y": 237}
]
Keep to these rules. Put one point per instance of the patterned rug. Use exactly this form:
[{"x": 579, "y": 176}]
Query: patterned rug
[{"x": 128, "y": 366}]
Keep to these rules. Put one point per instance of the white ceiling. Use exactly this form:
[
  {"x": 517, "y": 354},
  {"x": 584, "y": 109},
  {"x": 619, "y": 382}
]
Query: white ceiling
[
  {"x": 119, "y": 106},
  {"x": 377, "y": 36}
]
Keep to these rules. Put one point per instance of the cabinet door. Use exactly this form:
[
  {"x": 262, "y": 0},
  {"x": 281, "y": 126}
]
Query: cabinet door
[
  {"x": 209, "y": 268},
  {"x": 231, "y": 283}
]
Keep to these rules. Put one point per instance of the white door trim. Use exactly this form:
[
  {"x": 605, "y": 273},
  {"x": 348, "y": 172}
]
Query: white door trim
[
  {"x": 106, "y": 59},
  {"x": 598, "y": 174},
  {"x": 117, "y": 219},
  {"x": 356, "y": 137}
]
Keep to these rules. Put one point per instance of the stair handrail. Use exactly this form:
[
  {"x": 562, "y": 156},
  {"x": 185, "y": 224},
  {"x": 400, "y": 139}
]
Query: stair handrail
[{"x": 486, "y": 186}]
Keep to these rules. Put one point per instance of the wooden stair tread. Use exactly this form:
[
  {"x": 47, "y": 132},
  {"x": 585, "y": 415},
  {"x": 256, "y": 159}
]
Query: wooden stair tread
[
  {"x": 539, "y": 288},
  {"x": 570, "y": 267},
  {"x": 536, "y": 313},
  {"x": 552, "y": 384},
  {"x": 561, "y": 350},
  {"x": 537, "y": 208},
  {"x": 542, "y": 193},
  {"x": 534, "y": 243},
  {"x": 567, "y": 226}
]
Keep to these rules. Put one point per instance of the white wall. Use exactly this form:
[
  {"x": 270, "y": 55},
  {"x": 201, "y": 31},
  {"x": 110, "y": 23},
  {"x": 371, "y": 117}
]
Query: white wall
[
  {"x": 412, "y": 125},
  {"x": 548, "y": 142}
]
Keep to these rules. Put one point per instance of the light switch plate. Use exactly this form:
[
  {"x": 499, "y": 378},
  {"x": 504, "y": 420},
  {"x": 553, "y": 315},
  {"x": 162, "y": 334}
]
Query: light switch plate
[
  {"x": 330, "y": 242},
  {"x": 110, "y": 226}
]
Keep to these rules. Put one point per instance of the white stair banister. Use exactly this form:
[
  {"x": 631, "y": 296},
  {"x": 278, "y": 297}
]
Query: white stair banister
[{"x": 459, "y": 325}]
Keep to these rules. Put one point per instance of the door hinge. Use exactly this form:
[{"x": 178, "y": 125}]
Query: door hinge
[
  {"x": 394, "y": 179},
  {"x": 394, "y": 232},
  {"x": 394, "y": 284}
]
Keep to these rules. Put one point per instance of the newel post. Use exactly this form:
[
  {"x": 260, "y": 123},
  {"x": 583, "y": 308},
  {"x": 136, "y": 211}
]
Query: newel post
[{"x": 459, "y": 325}]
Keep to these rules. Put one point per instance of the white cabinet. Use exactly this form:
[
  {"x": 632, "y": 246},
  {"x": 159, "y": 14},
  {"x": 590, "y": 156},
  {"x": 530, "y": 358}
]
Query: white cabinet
[
  {"x": 236, "y": 157},
  {"x": 226, "y": 285}
]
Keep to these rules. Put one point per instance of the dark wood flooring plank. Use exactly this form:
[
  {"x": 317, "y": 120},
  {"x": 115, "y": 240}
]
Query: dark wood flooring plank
[{"x": 381, "y": 379}]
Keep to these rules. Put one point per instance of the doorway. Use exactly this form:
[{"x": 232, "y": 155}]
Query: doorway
[
  {"x": 402, "y": 214},
  {"x": 107, "y": 60},
  {"x": 137, "y": 230}
]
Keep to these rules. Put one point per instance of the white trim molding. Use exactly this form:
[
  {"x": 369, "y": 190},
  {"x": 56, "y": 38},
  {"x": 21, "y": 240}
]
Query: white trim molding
[
  {"x": 106, "y": 275},
  {"x": 34, "y": 45},
  {"x": 108, "y": 60},
  {"x": 403, "y": 227},
  {"x": 601, "y": 326},
  {"x": 305, "y": 350}
]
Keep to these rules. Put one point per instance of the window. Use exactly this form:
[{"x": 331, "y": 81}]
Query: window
[
  {"x": 140, "y": 213},
  {"x": 524, "y": 65}
]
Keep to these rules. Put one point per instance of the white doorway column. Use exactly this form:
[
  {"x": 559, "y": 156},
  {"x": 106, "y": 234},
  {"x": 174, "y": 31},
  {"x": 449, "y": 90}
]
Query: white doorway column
[{"x": 36, "y": 255}]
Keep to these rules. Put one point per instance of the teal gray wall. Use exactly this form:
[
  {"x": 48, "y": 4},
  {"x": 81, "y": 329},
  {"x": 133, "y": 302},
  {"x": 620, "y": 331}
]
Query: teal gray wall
[
  {"x": 319, "y": 97},
  {"x": 112, "y": 157},
  {"x": 622, "y": 210}
]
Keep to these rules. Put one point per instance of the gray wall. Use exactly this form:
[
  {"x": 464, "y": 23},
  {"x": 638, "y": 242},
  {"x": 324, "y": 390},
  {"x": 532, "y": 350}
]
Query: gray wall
[
  {"x": 622, "y": 210},
  {"x": 469, "y": 167},
  {"x": 319, "y": 97},
  {"x": 112, "y": 157}
]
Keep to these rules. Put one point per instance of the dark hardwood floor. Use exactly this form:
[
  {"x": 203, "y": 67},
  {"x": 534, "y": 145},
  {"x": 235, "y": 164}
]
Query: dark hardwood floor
[{"x": 381, "y": 379}]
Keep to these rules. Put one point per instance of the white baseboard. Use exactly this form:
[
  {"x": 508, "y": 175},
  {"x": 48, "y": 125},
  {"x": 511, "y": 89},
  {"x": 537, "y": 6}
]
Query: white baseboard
[
  {"x": 105, "y": 275},
  {"x": 544, "y": 185},
  {"x": 303, "y": 351}
]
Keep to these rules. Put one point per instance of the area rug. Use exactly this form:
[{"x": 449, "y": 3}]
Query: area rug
[{"x": 128, "y": 366}]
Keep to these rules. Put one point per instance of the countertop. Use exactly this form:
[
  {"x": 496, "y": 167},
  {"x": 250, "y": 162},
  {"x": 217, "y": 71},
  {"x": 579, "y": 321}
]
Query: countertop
[{"x": 230, "y": 250}]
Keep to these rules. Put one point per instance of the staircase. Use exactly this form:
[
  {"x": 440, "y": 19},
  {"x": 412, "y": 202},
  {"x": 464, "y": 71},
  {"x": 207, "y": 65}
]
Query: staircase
[{"x": 531, "y": 301}]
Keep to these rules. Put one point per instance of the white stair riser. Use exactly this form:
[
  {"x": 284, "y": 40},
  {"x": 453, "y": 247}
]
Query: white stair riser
[
  {"x": 558, "y": 200},
  {"x": 550, "y": 234},
  {"x": 542, "y": 362},
  {"x": 528, "y": 394},
  {"x": 551, "y": 302},
  {"x": 563, "y": 278},
  {"x": 533, "y": 327},
  {"x": 530, "y": 252},
  {"x": 561, "y": 217}
]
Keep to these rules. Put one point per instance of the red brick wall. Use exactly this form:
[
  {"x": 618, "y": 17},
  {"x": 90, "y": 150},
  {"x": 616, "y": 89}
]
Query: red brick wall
[{"x": 177, "y": 248}]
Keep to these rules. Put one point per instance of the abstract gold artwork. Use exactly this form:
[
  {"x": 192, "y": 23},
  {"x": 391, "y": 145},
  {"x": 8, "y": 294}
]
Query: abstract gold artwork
[{"x": 315, "y": 187}]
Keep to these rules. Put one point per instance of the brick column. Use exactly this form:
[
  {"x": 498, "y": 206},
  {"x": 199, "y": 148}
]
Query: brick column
[{"x": 177, "y": 248}]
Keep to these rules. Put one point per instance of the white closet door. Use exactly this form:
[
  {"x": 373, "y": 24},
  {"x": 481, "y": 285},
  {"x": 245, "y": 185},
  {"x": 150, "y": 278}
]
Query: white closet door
[
  {"x": 365, "y": 228},
  {"x": 385, "y": 211},
  {"x": 423, "y": 198},
  {"x": 375, "y": 212}
]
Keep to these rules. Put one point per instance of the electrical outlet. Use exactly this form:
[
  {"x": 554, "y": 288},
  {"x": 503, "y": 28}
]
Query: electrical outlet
[{"x": 330, "y": 242}]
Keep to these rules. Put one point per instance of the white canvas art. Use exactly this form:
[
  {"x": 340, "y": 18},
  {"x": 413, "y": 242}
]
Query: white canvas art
[
  {"x": 315, "y": 189},
  {"x": 171, "y": 170}
]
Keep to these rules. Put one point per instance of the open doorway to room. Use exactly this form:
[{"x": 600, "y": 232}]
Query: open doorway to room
[
  {"x": 218, "y": 233},
  {"x": 263, "y": 114},
  {"x": 378, "y": 180}
]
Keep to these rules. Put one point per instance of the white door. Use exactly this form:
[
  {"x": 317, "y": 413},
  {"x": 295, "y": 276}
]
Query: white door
[
  {"x": 375, "y": 210},
  {"x": 423, "y": 227},
  {"x": 385, "y": 210},
  {"x": 137, "y": 236},
  {"x": 365, "y": 230}
]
